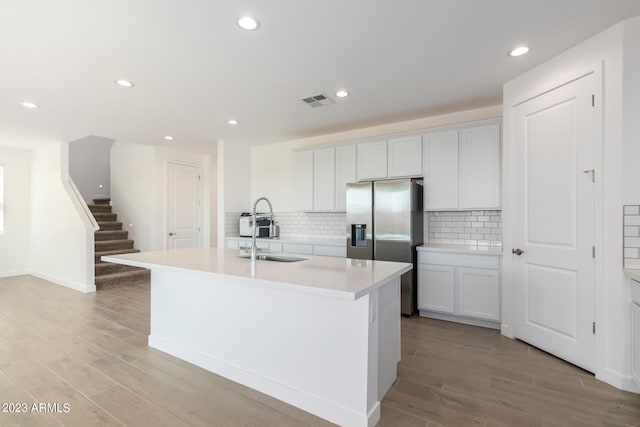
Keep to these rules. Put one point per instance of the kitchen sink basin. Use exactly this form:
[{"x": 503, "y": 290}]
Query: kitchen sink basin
[{"x": 273, "y": 257}]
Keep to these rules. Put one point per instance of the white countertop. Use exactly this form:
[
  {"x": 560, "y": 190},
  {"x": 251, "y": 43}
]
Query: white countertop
[
  {"x": 330, "y": 276},
  {"x": 440, "y": 247},
  {"x": 304, "y": 240}
]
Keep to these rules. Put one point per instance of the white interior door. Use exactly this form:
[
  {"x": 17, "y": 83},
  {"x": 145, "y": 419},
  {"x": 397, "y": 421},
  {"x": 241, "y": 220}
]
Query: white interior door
[
  {"x": 183, "y": 206},
  {"x": 554, "y": 140}
]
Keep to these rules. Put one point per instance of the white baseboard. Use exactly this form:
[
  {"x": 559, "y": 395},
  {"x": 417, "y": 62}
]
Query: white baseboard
[
  {"x": 618, "y": 380},
  {"x": 13, "y": 273},
  {"x": 315, "y": 405},
  {"x": 57, "y": 281}
]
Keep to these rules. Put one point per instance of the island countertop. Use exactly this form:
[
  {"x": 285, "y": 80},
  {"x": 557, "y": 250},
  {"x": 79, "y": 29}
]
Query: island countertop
[{"x": 337, "y": 277}]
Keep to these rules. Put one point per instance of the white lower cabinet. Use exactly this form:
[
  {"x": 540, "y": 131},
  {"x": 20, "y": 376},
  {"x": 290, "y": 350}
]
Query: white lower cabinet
[
  {"x": 322, "y": 249},
  {"x": 436, "y": 288},
  {"x": 459, "y": 287},
  {"x": 479, "y": 293}
]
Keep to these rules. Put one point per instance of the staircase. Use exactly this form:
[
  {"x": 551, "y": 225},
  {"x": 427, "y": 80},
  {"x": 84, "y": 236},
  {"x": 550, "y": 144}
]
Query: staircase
[{"x": 110, "y": 239}]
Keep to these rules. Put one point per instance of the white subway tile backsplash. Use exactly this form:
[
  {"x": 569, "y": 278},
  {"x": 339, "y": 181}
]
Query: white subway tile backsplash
[
  {"x": 473, "y": 228},
  {"x": 632, "y": 220},
  {"x": 632, "y": 210},
  {"x": 314, "y": 225},
  {"x": 631, "y": 236}
]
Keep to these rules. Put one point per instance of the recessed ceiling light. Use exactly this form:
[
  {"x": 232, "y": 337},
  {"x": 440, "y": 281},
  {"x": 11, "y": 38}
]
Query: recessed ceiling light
[
  {"x": 232, "y": 122},
  {"x": 519, "y": 51},
  {"x": 124, "y": 83},
  {"x": 168, "y": 138},
  {"x": 248, "y": 23},
  {"x": 29, "y": 104},
  {"x": 342, "y": 93}
]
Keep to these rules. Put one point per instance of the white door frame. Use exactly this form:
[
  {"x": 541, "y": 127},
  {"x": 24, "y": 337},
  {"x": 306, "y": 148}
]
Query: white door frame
[
  {"x": 166, "y": 200},
  {"x": 509, "y": 188}
]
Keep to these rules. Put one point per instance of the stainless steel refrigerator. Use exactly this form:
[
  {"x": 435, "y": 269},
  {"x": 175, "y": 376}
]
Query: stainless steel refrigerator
[{"x": 384, "y": 222}]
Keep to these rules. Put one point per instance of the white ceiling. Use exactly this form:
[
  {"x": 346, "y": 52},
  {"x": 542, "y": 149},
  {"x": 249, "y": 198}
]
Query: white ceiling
[{"x": 193, "y": 68}]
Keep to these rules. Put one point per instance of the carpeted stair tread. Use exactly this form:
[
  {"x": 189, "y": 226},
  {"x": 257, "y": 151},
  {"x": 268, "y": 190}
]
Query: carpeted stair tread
[
  {"x": 100, "y": 208},
  {"x": 123, "y": 277},
  {"x": 114, "y": 252},
  {"x": 110, "y": 245},
  {"x": 102, "y": 201},
  {"x": 104, "y": 217},
  {"x": 103, "y": 235},
  {"x": 103, "y": 268},
  {"x": 109, "y": 225}
]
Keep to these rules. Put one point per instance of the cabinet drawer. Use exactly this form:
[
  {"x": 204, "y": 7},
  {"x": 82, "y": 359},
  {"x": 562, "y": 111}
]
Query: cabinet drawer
[
  {"x": 232, "y": 244},
  {"x": 336, "y": 251},
  {"x": 296, "y": 248},
  {"x": 460, "y": 260}
]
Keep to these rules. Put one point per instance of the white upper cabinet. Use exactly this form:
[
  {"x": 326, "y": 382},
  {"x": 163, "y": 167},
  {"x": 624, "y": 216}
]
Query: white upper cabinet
[
  {"x": 345, "y": 173},
  {"x": 304, "y": 164},
  {"x": 404, "y": 156},
  {"x": 372, "y": 160},
  {"x": 480, "y": 167},
  {"x": 441, "y": 170},
  {"x": 463, "y": 168},
  {"x": 323, "y": 175},
  {"x": 324, "y": 179}
]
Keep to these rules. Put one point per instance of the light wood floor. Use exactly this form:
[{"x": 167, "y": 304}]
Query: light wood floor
[{"x": 89, "y": 350}]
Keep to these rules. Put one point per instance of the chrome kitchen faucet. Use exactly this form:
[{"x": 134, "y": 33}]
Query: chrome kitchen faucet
[{"x": 254, "y": 231}]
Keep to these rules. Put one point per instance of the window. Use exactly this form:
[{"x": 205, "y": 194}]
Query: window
[{"x": 1, "y": 200}]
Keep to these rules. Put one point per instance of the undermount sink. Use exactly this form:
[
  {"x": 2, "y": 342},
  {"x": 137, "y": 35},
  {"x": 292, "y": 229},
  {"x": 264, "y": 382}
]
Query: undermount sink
[{"x": 272, "y": 257}]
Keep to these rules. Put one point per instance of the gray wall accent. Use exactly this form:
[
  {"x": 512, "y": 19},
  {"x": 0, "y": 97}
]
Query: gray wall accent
[{"x": 89, "y": 166}]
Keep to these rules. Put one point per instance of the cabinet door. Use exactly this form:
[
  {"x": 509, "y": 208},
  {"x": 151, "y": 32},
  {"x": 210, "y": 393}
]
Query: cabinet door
[
  {"x": 324, "y": 175},
  {"x": 479, "y": 293},
  {"x": 480, "y": 167},
  {"x": 635, "y": 342},
  {"x": 345, "y": 173},
  {"x": 404, "y": 156},
  {"x": 372, "y": 160},
  {"x": 436, "y": 288},
  {"x": 304, "y": 163},
  {"x": 441, "y": 171}
]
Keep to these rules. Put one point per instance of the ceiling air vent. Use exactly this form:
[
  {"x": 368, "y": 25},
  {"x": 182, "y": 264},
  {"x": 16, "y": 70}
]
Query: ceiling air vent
[{"x": 317, "y": 100}]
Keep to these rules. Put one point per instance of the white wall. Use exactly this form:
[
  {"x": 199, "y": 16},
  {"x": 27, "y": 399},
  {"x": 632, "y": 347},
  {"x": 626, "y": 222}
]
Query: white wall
[
  {"x": 612, "y": 292},
  {"x": 273, "y": 169},
  {"x": 15, "y": 241},
  {"x": 89, "y": 166},
  {"x": 61, "y": 232},
  {"x": 133, "y": 191},
  {"x": 631, "y": 112},
  {"x": 234, "y": 182},
  {"x": 138, "y": 191},
  {"x": 213, "y": 197}
]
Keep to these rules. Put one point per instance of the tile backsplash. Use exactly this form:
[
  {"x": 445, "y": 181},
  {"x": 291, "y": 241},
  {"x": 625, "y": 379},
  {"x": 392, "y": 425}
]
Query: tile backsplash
[
  {"x": 631, "y": 236},
  {"x": 471, "y": 228},
  {"x": 314, "y": 225}
]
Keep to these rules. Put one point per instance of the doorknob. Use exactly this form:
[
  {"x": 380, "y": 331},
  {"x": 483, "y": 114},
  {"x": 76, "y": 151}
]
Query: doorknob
[
  {"x": 172, "y": 234},
  {"x": 517, "y": 251}
]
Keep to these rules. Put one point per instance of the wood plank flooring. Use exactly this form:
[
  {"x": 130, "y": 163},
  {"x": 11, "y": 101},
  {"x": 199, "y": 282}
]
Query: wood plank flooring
[{"x": 89, "y": 351}]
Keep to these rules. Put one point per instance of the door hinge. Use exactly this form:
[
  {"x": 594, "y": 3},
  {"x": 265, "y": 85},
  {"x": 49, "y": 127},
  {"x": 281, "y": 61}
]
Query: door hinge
[
  {"x": 594, "y": 328},
  {"x": 593, "y": 251},
  {"x": 593, "y": 100},
  {"x": 592, "y": 172}
]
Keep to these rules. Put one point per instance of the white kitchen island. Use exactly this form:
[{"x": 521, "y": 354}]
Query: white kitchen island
[{"x": 321, "y": 334}]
